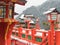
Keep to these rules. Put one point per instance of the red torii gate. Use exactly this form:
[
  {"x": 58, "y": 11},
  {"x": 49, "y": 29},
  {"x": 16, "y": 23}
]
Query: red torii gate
[{"x": 6, "y": 23}]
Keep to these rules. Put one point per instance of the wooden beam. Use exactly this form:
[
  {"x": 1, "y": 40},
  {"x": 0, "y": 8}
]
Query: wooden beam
[
  {"x": 7, "y": 10},
  {"x": 21, "y": 2},
  {"x": 13, "y": 10}
]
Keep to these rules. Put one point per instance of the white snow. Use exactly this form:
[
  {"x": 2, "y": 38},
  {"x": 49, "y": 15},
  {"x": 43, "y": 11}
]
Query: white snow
[
  {"x": 23, "y": 41},
  {"x": 23, "y": 31},
  {"x": 22, "y": 16},
  {"x": 30, "y": 43},
  {"x": 29, "y": 15},
  {"x": 41, "y": 30},
  {"x": 58, "y": 30},
  {"x": 38, "y": 34},
  {"x": 31, "y": 21},
  {"x": 52, "y": 9},
  {"x": 15, "y": 31},
  {"x": 49, "y": 11},
  {"x": 30, "y": 32}
]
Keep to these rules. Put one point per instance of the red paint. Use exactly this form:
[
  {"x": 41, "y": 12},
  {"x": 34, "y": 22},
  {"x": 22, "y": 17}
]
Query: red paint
[
  {"x": 4, "y": 25},
  {"x": 57, "y": 37},
  {"x": 49, "y": 38},
  {"x": 15, "y": 42}
]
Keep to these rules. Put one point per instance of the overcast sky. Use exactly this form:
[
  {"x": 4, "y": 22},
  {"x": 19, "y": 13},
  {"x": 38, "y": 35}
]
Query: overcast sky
[{"x": 19, "y": 8}]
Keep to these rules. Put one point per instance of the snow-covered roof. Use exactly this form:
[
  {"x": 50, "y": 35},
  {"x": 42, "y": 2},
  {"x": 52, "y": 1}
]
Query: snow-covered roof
[
  {"x": 49, "y": 11},
  {"x": 29, "y": 15},
  {"x": 22, "y": 16},
  {"x": 31, "y": 21},
  {"x": 25, "y": 16},
  {"x": 52, "y": 9}
]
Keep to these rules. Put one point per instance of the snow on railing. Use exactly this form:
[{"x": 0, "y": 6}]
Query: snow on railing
[{"x": 23, "y": 41}]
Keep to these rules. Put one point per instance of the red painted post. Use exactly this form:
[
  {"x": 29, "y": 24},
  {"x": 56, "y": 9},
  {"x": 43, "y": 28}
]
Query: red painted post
[
  {"x": 20, "y": 31},
  {"x": 44, "y": 40},
  {"x": 57, "y": 37},
  {"x": 43, "y": 36},
  {"x": 52, "y": 32},
  {"x": 37, "y": 23},
  {"x": 33, "y": 35},
  {"x": 27, "y": 31},
  {"x": 49, "y": 37},
  {"x": 28, "y": 24}
]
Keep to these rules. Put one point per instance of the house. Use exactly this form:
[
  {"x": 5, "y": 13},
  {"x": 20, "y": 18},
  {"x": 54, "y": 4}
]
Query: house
[{"x": 26, "y": 21}]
